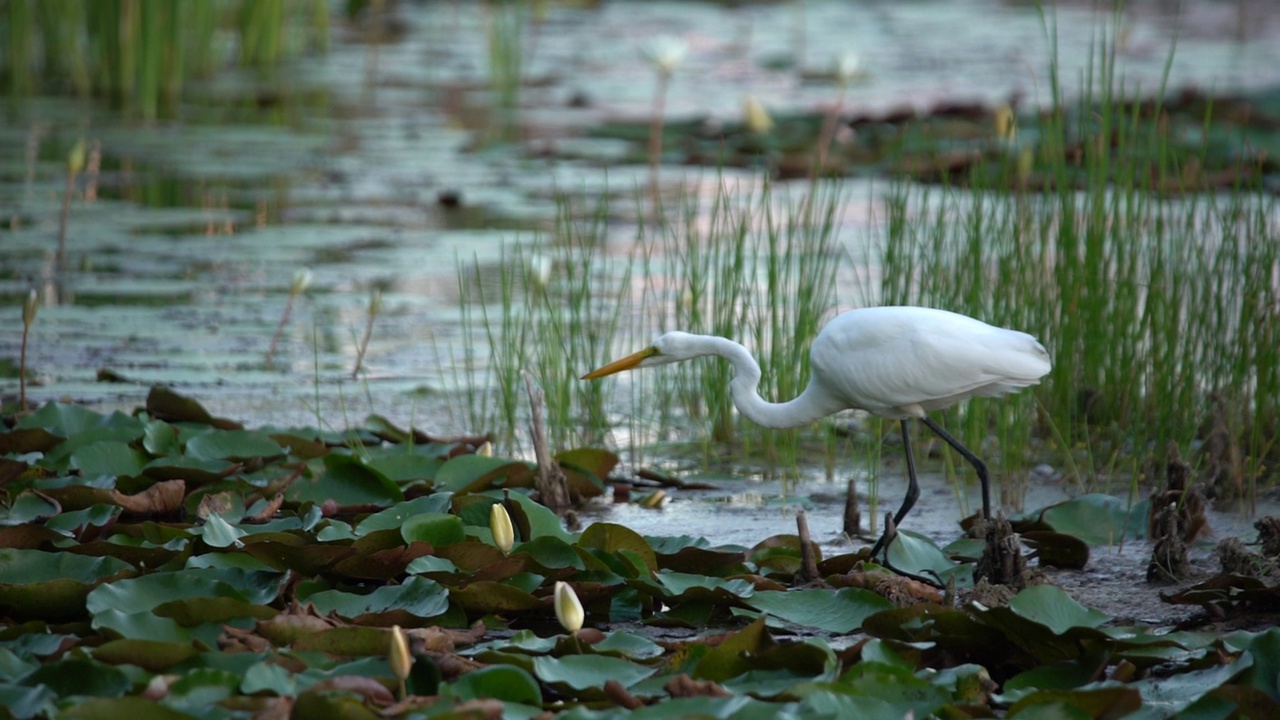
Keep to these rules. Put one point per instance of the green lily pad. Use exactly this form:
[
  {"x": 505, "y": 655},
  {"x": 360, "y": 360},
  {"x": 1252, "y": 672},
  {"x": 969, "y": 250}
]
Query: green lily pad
[
  {"x": 499, "y": 682},
  {"x": 581, "y": 672},
  {"x": 346, "y": 481},
  {"x": 835, "y": 611},
  {"x": 1055, "y": 609},
  {"x": 473, "y": 473},
  {"x": 417, "y": 596},
  {"x": 1098, "y": 519}
]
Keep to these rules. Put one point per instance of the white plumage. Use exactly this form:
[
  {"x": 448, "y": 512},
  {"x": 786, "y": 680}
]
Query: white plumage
[{"x": 895, "y": 362}]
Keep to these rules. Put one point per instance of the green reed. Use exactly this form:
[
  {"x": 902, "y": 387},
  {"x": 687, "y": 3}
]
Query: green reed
[
  {"x": 1152, "y": 298},
  {"x": 139, "y": 54}
]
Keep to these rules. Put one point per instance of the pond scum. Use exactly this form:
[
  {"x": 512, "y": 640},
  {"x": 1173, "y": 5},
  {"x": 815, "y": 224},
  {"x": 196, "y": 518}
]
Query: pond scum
[{"x": 171, "y": 564}]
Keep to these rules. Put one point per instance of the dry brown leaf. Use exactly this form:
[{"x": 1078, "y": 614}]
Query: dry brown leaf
[
  {"x": 223, "y": 503},
  {"x": 163, "y": 498},
  {"x": 267, "y": 512}
]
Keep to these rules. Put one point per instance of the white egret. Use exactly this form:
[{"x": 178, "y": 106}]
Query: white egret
[{"x": 894, "y": 362}]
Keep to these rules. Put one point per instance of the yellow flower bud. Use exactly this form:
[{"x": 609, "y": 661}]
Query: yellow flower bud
[
  {"x": 301, "y": 281},
  {"x": 485, "y": 449},
  {"x": 758, "y": 120},
  {"x": 568, "y": 608},
  {"x": 75, "y": 158},
  {"x": 29, "y": 308},
  {"x": 504, "y": 535},
  {"x": 399, "y": 657},
  {"x": 1006, "y": 124}
]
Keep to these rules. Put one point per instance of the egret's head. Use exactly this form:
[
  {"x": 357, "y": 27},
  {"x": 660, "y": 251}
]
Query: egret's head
[{"x": 672, "y": 347}]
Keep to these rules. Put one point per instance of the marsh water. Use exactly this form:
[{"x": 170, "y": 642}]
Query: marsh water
[{"x": 368, "y": 166}]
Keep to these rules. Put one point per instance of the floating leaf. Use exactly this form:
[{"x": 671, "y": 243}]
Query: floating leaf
[
  {"x": 108, "y": 457},
  {"x": 346, "y": 481},
  {"x": 485, "y": 596},
  {"x": 232, "y": 445},
  {"x": 917, "y": 554},
  {"x": 125, "y": 708},
  {"x": 581, "y": 672},
  {"x": 437, "y": 529},
  {"x": 1109, "y": 703},
  {"x": 160, "y": 438},
  {"x": 23, "y": 703},
  {"x": 79, "y": 676},
  {"x": 30, "y": 506},
  {"x": 220, "y": 534},
  {"x": 500, "y": 682},
  {"x": 168, "y": 405},
  {"x": 898, "y": 688},
  {"x": 473, "y": 473},
  {"x": 1055, "y": 609},
  {"x": 1098, "y": 519},
  {"x": 62, "y": 419},
  {"x": 838, "y": 611},
  {"x": 404, "y": 468},
  {"x": 151, "y": 656},
  {"x": 400, "y": 513},
  {"x": 612, "y": 538},
  {"x": 417, "y": 596}
]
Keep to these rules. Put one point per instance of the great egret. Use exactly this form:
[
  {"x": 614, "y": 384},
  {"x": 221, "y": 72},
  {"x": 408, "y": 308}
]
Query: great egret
[{"x": 895, "y": 362}]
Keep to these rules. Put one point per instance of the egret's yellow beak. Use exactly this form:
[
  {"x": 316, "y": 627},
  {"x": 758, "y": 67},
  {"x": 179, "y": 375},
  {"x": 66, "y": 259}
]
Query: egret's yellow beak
[{"x": 625, "y": 363}]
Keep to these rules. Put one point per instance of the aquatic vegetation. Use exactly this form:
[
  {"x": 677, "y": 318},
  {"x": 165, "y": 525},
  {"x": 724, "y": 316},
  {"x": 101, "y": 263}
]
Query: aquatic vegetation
[
  {"x": 140, "y": 55},
  {"x": 167, "y": 561}
]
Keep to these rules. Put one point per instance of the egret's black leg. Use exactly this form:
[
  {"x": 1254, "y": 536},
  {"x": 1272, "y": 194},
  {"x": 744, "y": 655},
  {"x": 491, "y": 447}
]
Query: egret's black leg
[
  {"x": 913, "y": 488},
  {"x": 983, "y": 475}
]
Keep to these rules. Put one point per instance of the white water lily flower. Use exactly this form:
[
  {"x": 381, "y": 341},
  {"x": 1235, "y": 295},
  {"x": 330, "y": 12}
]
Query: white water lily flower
[
  {"x": 399, "y": 657},
  {"x": 301, "y": 281},
  {"x": 1006, "y": 124},
  {"x": 758, "y": 120},
  {"x": 568, "y": 608},
  {"x": 847, "y": 67},
  {"x": 504, "y": 535},
  {"x": 30, "y": 307},
  {"x": 665, "y": 52}
]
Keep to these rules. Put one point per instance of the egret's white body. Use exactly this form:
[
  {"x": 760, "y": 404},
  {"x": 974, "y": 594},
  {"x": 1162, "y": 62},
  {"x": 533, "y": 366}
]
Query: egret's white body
[{"x": 895, "y": 362}]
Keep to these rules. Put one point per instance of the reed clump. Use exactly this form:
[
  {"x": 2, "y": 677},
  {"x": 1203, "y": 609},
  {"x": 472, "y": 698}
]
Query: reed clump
[{"x": 140, "y": 54}]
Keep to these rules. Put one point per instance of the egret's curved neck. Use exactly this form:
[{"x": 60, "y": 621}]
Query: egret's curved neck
[{"x": 810, "y": 405}]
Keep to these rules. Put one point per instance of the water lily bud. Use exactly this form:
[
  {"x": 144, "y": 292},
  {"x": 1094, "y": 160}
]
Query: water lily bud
[
  {"x": 485, "y": 449},
  {"x": 758, "y": 120},
  {"x": 29, "y": 308},
  {"x": 301, "y": 281},
  {"x": 847, "y": 67},
  {"x": 665, "y": 52},
  {"x": 399, "y": 657},
  {"x": 568, "y": 608},
  {"x": 504, "y": 535},
  {"x": 375, "y": 302},
  {"x": 1006, "y": 123},
  {"x": 75, "y": 158},
  {"x": 1026, "y": 163}
]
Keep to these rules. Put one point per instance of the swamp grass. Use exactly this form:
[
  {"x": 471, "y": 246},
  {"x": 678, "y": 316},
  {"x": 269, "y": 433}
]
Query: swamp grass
[
  {"x": 140, "y": 54},
  {"x": 1157, "y": 301}
]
